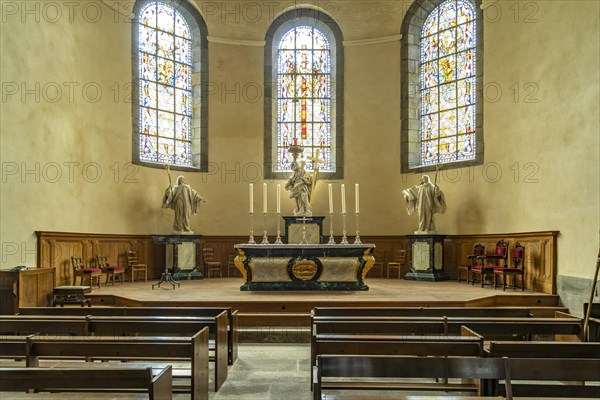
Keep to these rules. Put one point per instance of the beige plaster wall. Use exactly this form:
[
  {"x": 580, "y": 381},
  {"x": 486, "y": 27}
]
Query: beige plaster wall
[{"x": 542, "y": 158}]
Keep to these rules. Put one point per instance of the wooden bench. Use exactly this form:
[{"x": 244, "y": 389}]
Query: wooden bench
[
  {"x": 128, "y": 326},
  {"x": 350, "y": 372},
  {"x": 232, "y": 317},
  {"x": 522, "y": 312},
  {"x": 156, "y": 384},
  {"x": 467, "y": 346},
  {"x": 543, "y": 349},
  {"x": 191, "y": 349},
  {"x": 489, "y": 327}
]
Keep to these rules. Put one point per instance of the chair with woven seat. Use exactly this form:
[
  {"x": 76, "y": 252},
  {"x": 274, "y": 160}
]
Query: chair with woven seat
[
  {"x": 83, "y": 272},
  {"x": 135, "y": 267},
  {"x": 398, "y": 263},
  {"x": 112, "y": 271},
  {"x": 517, "y": 268},
  {"x": 210, "y": 263},
  {"x": 478, "y": 252},
  {"x": 490, "y": 261}
]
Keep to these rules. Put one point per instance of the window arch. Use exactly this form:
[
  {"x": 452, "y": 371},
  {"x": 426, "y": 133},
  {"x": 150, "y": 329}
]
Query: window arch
[
  {"x": 442, "y": 63},
  {"x": 304, "y": 68},
  {"x": 169, "y": 70}
]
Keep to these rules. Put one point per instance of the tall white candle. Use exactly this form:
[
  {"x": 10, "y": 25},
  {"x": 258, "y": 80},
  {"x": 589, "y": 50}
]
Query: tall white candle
[
  {"x": 356, "y": 198},
  {"x": 264, "y": 198},
  {"x": 330, "y": 199},
  {"x": 251, "y": 198},
  {"x": 278, "y": 198},
  {"x": 343, "y": 199}
]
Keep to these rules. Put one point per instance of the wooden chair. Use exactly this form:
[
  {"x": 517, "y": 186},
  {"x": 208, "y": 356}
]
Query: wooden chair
[
  {"x": 111, "y": 271},
  {"x": 478, "y": 253},
  {"x": 210, "y": 264},
  {"x": 487, "y": 268},
  {"x": 83, "y": 272},
  {"x": 398, "y": 263},
  {"x": 231, "y": 255},
  {"x": 135, "y": 266},
  {"x": 379, "y": 263},
  {"x": 517, "y": 268}
]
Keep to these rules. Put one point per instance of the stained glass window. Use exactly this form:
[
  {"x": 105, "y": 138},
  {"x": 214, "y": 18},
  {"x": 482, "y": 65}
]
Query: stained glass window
[
  {"x": 165, "y": 85},
  {"x": 448, "y": 81},
  {"x": 304, "y": 97}
]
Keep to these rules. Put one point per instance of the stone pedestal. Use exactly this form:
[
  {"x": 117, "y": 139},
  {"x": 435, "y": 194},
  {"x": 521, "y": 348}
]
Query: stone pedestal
[
  {"x": 426, "y": 258},
  {"x": 182, "y": 255}
]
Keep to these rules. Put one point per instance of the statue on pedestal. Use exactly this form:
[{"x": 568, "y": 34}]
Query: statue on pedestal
[
  {"x": 299, "y": 186},
  {"x": 184, "y": 200},
  {"x": 427, "y": 199}
]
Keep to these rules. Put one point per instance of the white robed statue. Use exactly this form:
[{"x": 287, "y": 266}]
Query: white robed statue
[
  {"x": 426, "y": 199},
  {"x": 184, "y": 200}
]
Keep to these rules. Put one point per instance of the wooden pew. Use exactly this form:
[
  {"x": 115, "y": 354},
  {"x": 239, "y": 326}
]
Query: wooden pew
[
  {"x": 53, "y": 325},
  {"x": 157, "y": 385},
  {"x": 387, "y": 366},
  {"x": 521, "y": 312},
  {"x": 332, "y": 367},
  {"x": 488, "y": 327},
  {"x": 467, "y": 346},
  {"x": 194, "y": 349},
  {"x": 128, "y": 326},
  {"x": 232, "y": 317},
  {"x": 530, "y": 349}
]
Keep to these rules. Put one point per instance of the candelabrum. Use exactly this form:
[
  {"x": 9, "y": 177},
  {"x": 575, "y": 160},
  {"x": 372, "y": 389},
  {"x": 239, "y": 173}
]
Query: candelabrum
[
  {"x": 251, "y": 238},
  {"x": 278, "y": 238},
  {"x": 344, "y": 238},
  {"x": 331, "y": 238},
  {"x": 357, "y": 238},
  {"x": 265, "y": 239}
]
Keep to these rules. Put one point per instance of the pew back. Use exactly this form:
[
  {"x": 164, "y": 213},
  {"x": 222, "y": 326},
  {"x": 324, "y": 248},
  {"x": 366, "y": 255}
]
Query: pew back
[{"x": 158, "y": 384}]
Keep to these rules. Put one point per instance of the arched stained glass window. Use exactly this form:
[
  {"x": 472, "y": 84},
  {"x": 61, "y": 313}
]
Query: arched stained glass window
[
  {"x": 442, "y": 88},
  {"x": 166, "y": 96},
  {"x": 448, "y": 60},
  {"x": 304, "y": 96},
  {"x": 304, "y": 55}
]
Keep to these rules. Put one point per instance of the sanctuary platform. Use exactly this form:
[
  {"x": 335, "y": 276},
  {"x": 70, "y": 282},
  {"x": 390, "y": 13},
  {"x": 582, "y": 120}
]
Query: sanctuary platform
[{"x": 292, "y": 308}]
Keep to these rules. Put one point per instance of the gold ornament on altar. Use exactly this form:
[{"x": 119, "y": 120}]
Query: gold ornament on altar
[{"x": 304, "y": 269}]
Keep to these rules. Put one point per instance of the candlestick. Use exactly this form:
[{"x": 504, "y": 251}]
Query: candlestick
[
  {"x": 265, "y": 239},
  {"x": 331, "y": 238},
  {"x": 264, "y": 198},
  {"x": 356, "y": 199},
  {"x": 344, "y": 238},
  {"x": 343, "y": 199},
  {"x": 278, "y": 200},
  {"x": 278, "y": 238},
  {"x": 251, "y": 198},
  {"x": 251, "y": 238},
  {"x": 357, "y": 238},
  {"x": 330, "y": 199}
]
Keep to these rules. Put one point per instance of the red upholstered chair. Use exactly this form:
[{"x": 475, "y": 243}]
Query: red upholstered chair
[
  {"x": 478, "y": 253},
  {"x": 517, "y": 268},
  {"x": 111, "y": 271},
  {"x": 83, "y": 272},
  {"x": 490, "y": 261}
]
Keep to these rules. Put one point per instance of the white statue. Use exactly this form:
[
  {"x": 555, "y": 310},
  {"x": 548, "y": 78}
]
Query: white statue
[
  {"x": 300, "y": 186},
  {"x": 427, "y": 199},
  {"x": 184, "y": 201}
]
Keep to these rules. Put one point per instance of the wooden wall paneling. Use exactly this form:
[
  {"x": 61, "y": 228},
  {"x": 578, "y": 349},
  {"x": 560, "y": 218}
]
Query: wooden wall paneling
[{"x": 55, "y": 250}]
